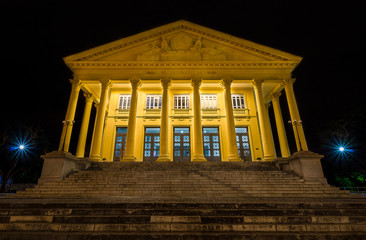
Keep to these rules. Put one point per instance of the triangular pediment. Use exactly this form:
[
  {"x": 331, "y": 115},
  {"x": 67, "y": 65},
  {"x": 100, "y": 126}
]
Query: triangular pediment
[{"x": 182, "y": 41}]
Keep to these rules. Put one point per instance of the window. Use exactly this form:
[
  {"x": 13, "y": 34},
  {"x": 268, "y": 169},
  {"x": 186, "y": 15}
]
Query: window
[
  {"x": 181, "y": 101},
  {"x": 153, "y": 102},
  {"x": 208, "y": 101},
  {"x": 124, "y": 101},
  {"x": 238, "y": 101}
]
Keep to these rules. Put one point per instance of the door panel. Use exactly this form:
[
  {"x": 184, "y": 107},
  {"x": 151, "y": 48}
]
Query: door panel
[
  {"x": 242, "y": 141},
  {"x": 151, "y": 144},
  {"x": 120, "y": 143},
  {"x": 181, "y": 145},
  {"x": 211, "y": 144}
]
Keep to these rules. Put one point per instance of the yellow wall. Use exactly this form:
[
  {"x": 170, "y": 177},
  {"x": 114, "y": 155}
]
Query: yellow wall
[{"x": 150, "y": 118}]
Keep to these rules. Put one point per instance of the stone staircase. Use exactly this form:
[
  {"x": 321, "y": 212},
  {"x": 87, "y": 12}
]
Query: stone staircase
[
  {"x": 183, "y": 201},
  {"x": 211, "y": 181}
]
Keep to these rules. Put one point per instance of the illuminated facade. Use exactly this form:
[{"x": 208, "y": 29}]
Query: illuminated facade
[{"x": 182, "y": 92}]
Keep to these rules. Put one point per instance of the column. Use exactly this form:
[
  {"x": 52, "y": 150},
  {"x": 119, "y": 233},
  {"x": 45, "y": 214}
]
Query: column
[
  {"x": 230, "y": 123},
  {"x": 285, "y": 152},
  {"x": 295, "y": 115},
  {"x": 99, "y": 124},
  {"x": 80, "y": 150},
  {"x": 197, "y": 126},
  {"x": 130, "y": 144},
  {"x": 96, "y": 105},
  {"x": 269, "y": 152},
  {"x": 164, "y": 149},
  {"x": 70, "y": 114}
]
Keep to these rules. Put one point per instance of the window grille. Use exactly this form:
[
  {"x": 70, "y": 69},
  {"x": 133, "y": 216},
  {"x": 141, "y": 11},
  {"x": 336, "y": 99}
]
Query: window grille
[
  {"x": 208, "y": 101},
  {"x": 124, "y": 101},
  {"x": 153, "y": 102},
  {"x": 238, "y": 101},
  {"x": 181, "y": 101}
]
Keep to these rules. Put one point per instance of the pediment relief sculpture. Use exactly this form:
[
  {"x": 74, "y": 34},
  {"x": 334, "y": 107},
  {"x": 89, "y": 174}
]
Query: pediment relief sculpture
[{"x": 182, "y": 47}]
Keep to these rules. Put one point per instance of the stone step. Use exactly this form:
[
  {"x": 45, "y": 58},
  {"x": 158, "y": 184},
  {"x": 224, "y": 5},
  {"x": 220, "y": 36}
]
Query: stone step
[
  {"x": 182, "y": 227},
  {"x": 123, "y": 219},
  {"x": 177, "y": 209},
  {"x": 183, "y": 188}
]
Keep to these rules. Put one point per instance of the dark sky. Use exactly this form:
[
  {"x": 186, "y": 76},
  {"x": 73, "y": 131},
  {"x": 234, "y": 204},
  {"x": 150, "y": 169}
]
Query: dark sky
[{"x": 35, "y": 37}]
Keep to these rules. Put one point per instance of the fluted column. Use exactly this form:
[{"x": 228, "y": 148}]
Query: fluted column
[
  {"x": 230, "y": 122},
  {"x": 295, "y": 115},
  {"x": 99, "y": 124},
  {"x": 80, "y": 150},
  {"x": 198, "y": 155},
  {"x": 164, "y": 149},
  {"x": 281, "y": 132},
  {"x": 269, "y": 152},
  {"x": 130, "y": 143},
  {"x": 70, "y": 114}
]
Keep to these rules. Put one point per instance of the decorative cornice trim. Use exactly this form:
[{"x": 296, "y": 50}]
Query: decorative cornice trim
[{"x": 269, "y": 64}]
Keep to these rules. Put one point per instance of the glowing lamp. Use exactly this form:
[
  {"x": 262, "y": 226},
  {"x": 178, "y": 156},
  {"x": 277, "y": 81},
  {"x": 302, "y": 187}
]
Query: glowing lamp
[
  {"x": 341, "y": 149},
  {"x": 21, "y": 146}
]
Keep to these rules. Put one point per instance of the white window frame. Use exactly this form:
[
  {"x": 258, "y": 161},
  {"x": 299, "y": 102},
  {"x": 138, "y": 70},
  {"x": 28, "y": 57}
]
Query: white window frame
[
  {"x": 124, "y": 101},
  {"x": 154, "y": 101},
  {"x": 181, "y": 101},
  {"x": 238, "y": 101},
  {"x": 208, "y": 101}
]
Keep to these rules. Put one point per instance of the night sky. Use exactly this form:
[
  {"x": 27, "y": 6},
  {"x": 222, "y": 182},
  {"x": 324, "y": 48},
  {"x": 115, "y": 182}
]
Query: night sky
[{"x": 35, "y": 37}]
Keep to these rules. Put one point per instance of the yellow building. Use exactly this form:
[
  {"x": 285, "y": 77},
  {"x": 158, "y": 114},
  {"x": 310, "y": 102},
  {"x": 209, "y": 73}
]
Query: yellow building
[{"x": 182, "y": 92}]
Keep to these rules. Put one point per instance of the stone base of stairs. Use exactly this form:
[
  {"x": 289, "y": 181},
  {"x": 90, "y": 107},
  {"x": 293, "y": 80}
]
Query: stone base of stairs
[{"x": 253, "y": 201}]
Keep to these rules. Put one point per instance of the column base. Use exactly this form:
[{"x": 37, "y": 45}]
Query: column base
[
  {"x": 96, "y": 158},
  {"x": 234, "y": 159},
  {"x": 163, "y": 159},
  {"x": 199, "y": 159},
  {"x": 268, "y": 158},
  {"x": 128, "y": 159}
]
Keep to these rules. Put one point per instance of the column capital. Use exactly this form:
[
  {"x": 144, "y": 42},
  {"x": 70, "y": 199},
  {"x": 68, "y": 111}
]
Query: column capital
[
  {"x": 88, "y": 97},
  {"x": 257, "y": 83},
  {"x": 135, "y": 83},
  {"x": 288, "y": 81},
  {"x": 226, "y": 83},
  {"x": 106, "y": 83},
  {"x": 267, "y": 105},
  {"x": 275, "y": 96},
  {"x": 166, "y": 83},
  {"x": 196, "y": 82},
  {"x": 75, "y": 83}
]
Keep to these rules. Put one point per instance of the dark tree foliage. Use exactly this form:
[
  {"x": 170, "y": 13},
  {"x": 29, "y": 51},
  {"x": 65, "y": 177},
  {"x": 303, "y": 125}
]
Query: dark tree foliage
[{"x": 21, "y": 165}]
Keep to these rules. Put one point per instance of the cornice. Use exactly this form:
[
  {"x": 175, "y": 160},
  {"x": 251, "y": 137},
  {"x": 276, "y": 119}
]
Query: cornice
[
  {"x": 156, "y": 33},
  {"x": 138, "y": 64}
]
